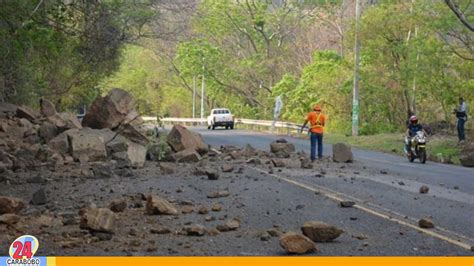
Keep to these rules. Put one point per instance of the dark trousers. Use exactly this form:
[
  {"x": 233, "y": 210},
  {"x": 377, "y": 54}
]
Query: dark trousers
[
  {"x": 460, "y": 127},
  {"x": 316, "y": 139}
]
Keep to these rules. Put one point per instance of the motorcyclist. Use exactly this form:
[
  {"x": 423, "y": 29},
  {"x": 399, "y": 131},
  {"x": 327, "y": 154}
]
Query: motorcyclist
[{"x": 412, "y": 128}]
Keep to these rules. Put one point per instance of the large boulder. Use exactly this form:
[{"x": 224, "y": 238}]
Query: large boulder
[
  {"x": 320, "y": 232},
  {"x": 181, "y": 139},
  {"x": 87, "y": 142},
  {"x": 109, "y": 111},
  {"x": 467, "y": 155},
  {"x": 342, "y": 153},
  {"x": 133, "y": 154}
]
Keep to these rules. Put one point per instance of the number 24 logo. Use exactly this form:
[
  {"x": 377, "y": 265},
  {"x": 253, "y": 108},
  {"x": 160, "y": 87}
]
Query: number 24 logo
[{"x": 24, "y": 247}]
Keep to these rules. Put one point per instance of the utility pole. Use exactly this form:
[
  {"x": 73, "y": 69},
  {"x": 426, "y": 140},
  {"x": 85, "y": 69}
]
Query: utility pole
[
  {"x": 202, "y": 97},
  {"x": 355, "y": 93},
  {"x": 202, "y": 89},
  {"x": 194, "y": 97}
]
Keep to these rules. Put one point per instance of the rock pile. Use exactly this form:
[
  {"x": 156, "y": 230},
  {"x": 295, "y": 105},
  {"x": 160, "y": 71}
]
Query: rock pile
[{"x": 106, "y": 133}]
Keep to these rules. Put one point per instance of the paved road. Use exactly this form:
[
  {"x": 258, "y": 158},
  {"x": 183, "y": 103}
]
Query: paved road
[{"x": 384, "y": 185}]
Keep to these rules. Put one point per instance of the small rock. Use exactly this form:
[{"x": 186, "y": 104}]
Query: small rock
[
  {"x": 212, "y": 174},
  {"x": 424, "y": 189},
  {"x": 306, "y": 164},
  {"x": 186, "y": 156},
  {"x": 102, "y": 220},
  {"x": 222, "y": 228},
  {"x": 167, "y": 168},
  {"x": 160, "y": 230},
  {"x": 227, "y": 168},
  {"x": 230, "y": 225},
  {"x": 294, "y": 243},
  {"x": 133, "y": 232},
  {"x": 186, "y": 209},
  {"x": 359, "y": 237},
  {"x": 209, "y": 218},
  {"x": 426, "y": 223},
  {"x": 320, "y": 232},
  {"x": 265, "y": 236},
  {"x": 216, "y": 207},
  {"x": 236, "y": 155},
  {"x": 255, "y": 161},
  {"x": 401, "y": 183},
  {"x": 10, "y": 205},
  {"x": 118, "y": 205},
  {"x": 157, "y": 205},
  {"x": 347, "y": 204},
  {"x": 274, "y": 232},
  {"x": 218, "y": 194},
  {"x": 203, "y": 210},
  {"x": 39, "y": 197},
  {"x": 195, "y": 230},
  {"x": 213, "y": 232},
  {"x": 456, "y": 187},
  {"x": 9, "y": 219},
  {"x": 103, "y": 236},
  {"x": 278, "y": 163}
]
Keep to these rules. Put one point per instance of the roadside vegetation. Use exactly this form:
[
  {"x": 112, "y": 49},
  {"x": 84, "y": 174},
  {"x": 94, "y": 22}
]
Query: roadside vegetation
[{"x": 416, "y": 57}]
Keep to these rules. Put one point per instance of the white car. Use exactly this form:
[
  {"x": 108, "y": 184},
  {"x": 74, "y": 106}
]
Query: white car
[{"x": 220, "y": 117}]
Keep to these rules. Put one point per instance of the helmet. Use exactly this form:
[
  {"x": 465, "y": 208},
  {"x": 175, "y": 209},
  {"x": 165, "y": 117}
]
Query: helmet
[
  {"x": 317, "y": 107},
  {"x": 413, "y": 119}
]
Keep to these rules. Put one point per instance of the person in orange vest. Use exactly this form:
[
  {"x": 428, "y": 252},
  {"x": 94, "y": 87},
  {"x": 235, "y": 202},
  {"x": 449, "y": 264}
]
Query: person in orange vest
[{"x": 317, "y": 121}]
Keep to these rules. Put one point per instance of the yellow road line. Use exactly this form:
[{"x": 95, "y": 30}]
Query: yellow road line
[{"x": 333, "y": 196}]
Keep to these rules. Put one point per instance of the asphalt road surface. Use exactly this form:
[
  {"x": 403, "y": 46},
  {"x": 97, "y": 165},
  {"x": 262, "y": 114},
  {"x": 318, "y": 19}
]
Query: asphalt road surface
[{"x": 384, "y": 186}]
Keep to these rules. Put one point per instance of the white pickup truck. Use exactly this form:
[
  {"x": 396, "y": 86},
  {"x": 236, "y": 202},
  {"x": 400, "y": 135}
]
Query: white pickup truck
[{"x": 220, "y": 117}]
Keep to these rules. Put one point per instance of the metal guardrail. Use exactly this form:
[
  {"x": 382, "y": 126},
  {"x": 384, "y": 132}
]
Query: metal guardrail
[{"x": 265, "y": 123}]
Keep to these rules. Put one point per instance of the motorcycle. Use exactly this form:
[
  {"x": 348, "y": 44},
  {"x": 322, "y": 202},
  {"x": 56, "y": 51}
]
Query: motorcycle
[{"x": 417, "y": 149}]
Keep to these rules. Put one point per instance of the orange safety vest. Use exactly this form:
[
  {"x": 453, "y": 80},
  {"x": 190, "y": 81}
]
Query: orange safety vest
[{"x": 317, "y": 122}]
